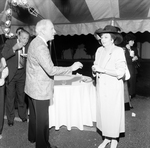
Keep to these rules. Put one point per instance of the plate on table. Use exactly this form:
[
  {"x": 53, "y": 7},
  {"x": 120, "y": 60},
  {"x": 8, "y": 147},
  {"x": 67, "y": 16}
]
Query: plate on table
[{"x": 86, "y": 79}]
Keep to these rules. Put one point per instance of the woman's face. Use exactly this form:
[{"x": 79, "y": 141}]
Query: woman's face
[
  {"x": 131, "y": 42},
  {"x": 106, "y": 39}
]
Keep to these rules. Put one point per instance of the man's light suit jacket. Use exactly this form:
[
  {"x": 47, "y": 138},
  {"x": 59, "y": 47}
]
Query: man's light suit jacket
[{"x": 40, "y": 71}]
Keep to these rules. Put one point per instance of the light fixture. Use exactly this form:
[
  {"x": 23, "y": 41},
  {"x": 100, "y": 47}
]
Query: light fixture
[
  {"x": 9, "y": 35},
  {"x": 24, "y": 2},
  {"x": 32, "y": 11},
  {"x": 6, "y": 35},
  {"x": 8, "y": 12},
  {"x": 7, "y": 30},
  {"x": 14, "y": 2},
  {"x": 19, "y": 2},
  {"x": 8, "y": 23}
]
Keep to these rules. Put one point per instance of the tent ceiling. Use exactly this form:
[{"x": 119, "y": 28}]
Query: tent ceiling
[{"x": 83, "y": 16}]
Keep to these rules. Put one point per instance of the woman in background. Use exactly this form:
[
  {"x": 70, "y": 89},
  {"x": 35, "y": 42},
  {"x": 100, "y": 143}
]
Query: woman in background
[{"x": 131, "y": 55}]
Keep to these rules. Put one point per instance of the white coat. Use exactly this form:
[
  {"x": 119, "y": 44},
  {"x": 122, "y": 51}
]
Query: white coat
[{"x": 110, "y": 92}]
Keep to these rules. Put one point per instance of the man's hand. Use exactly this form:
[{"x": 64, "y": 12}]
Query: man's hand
[
  {"x": 77, "y": 65},
  {"x": 17, "y": 46}
]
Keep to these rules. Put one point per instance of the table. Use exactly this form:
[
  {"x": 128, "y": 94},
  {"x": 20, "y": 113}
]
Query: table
[{"x": 74, "y": 104}]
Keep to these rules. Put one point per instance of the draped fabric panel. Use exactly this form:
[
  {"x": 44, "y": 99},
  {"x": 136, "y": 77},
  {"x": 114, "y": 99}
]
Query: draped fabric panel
[{"x": 81, "y": 16}]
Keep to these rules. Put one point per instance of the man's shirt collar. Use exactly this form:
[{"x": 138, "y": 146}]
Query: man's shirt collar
[{"x": 43, "y": 40}]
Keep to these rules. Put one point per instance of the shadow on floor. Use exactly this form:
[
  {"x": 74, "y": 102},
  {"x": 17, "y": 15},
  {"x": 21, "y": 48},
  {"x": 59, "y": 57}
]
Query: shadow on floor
[{"x": 137, "y": 133}]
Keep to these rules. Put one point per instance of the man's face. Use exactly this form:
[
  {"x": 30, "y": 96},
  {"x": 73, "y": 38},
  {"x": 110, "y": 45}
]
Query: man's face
[
  {"x": 23, "y": 38},
  {"x": 50, "y": 31}
]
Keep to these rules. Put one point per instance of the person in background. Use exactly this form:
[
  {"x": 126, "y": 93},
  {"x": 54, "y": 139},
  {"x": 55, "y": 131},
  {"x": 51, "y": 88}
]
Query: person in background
[
  {"x": 131, "y": 55},
  {"x": 127, "y": 100},
  {"x": 109, "y": 69},
  {"x": 3, "y": 76},
  {"x": 81, "y": 53},
  {"x": 14, "y": 52},
  {"x": 67, "y": 54},
  {"x": 39, "y": 86}
]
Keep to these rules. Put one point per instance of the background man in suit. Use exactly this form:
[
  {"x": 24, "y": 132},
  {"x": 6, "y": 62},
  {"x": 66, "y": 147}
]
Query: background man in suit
[
  {"x": 13, "y": 52},
  {"x": 39, "y": 86}
]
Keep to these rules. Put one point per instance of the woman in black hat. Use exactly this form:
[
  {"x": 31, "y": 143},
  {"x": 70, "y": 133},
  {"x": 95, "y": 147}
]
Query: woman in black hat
[{"x": 109, "y": 68}]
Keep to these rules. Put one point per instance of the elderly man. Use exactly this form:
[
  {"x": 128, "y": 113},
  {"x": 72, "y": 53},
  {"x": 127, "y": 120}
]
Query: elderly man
[{"x": 40, "y": 72}]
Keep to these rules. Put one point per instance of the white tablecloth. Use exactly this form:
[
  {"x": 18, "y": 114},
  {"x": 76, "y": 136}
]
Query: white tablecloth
[{"x": 74, "y": 105}]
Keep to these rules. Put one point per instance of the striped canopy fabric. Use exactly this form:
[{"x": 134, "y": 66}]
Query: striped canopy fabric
[{"x": 72, "y": 17}]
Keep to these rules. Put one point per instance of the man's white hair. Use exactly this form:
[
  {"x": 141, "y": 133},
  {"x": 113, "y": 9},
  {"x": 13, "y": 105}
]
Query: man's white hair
[{"x": 42, "y": 25}]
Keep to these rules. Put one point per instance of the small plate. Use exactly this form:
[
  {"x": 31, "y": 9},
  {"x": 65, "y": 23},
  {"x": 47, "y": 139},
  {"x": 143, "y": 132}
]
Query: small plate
[{"x": 86, "y": 79}]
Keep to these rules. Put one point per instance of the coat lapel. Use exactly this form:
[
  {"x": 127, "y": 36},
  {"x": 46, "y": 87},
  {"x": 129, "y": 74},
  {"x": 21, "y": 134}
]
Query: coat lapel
[{"x": 107, "y": 58}]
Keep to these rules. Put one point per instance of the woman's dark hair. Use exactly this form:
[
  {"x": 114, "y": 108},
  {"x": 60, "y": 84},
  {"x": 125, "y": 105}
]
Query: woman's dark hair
[{"x": 129, "y": 37}]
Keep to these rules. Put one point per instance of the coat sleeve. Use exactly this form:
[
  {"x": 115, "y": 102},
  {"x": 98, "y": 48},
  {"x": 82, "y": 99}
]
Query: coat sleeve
[{"x": 7, "y": 51}]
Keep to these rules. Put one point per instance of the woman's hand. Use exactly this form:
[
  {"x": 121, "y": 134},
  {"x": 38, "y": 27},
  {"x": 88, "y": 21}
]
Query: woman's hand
[
  {"x": 135, "y": 58},
  {"x": 95, "y": 69}
]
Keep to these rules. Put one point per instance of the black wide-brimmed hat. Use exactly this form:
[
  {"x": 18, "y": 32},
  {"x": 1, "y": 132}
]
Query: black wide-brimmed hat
[{"x": 113, "y": 30}]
